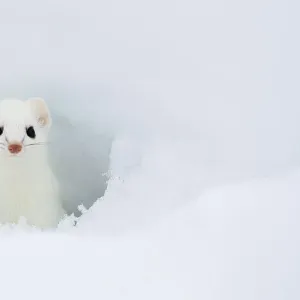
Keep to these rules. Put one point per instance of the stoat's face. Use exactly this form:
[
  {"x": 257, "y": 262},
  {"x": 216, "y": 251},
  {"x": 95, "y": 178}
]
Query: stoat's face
[{"x": 24, "y": 125}]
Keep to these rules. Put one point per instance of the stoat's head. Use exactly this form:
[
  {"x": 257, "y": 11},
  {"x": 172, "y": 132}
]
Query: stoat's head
[{"x": 24, "y": 125}]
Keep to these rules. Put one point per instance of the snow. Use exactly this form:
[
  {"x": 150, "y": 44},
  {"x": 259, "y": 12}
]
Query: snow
[
  {"x": 216, "y": 247},
  {"x": 181, "y": 118}
]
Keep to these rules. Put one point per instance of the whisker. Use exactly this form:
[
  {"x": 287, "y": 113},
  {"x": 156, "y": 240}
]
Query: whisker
[
  {"x": 37, "y": 144},
  {"x": 4, "y": 145}
]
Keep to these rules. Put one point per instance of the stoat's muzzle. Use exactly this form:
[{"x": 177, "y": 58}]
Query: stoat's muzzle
[{"x": 15, "y": 148}]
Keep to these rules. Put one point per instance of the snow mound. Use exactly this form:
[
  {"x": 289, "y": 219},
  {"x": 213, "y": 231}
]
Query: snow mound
[{"x": 233, "y": 242}]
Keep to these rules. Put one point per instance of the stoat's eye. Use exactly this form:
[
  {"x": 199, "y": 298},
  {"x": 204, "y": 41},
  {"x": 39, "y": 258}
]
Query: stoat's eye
[
  {"x": 30, "y": 132},
  {"x": 1, "y": 130}
]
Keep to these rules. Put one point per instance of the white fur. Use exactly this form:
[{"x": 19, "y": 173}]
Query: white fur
[{"x": 28, "y": 187}]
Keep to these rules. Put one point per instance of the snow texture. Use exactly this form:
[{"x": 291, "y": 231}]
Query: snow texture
[{"x": 191, "y": 109}]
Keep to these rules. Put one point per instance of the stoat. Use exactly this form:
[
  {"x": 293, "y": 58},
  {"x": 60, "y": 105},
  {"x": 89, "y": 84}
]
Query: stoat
[{"x": 28, "y": 187}]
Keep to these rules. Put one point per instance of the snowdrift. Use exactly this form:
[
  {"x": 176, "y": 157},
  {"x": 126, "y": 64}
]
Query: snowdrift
[{"x": 176, "y": 124}]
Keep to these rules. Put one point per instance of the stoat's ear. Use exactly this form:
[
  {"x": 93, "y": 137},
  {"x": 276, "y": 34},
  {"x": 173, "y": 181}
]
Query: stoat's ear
[{"x": 40, "y": 110}]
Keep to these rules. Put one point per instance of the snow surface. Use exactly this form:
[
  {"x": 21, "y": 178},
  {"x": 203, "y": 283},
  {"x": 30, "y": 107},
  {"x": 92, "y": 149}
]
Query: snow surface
[{"x": 192, "y": 109}]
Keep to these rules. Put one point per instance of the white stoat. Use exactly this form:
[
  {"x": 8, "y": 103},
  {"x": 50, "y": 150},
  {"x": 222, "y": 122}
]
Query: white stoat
[{"x": 28, "y": 188}]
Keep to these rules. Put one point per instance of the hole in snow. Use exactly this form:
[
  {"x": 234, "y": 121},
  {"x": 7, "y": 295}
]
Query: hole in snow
[{"x": 79, "y": 157}]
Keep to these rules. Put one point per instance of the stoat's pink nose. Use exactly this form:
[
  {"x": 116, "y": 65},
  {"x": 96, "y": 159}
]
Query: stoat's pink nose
[{"x": 14, "y": 148}]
